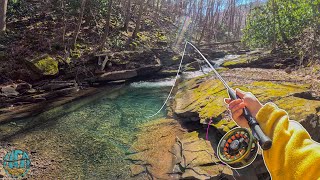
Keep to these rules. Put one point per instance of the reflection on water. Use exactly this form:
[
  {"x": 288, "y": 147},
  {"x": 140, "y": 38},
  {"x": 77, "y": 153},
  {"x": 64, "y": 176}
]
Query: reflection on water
[{"x": 89, "y": 138}]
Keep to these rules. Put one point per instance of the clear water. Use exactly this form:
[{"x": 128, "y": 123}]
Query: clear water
[{"x": 89, "y": 138}]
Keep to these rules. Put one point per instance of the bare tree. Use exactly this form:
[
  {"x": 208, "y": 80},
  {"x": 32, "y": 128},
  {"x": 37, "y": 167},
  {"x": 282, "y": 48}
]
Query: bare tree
[
  {"x": 107, "y": 25},
  {"x": 138, "y": 23},
  {"x": 127, "y": 18},
  {"x": 3, "y": 12},
  {"x": 83, "y": 3},
  {"x": 209, "y": 7}
]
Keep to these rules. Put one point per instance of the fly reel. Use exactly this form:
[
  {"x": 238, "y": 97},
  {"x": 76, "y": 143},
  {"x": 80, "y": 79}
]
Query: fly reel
[{"x": 238, "y": 148}]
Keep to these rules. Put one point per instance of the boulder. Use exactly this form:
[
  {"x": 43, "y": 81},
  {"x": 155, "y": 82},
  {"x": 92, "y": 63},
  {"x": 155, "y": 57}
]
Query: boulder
[
  {"x": 148, "y": 70},
  {"x": 23, "y": 87},
  {"x": 44, "y": 65},
  {"x": 9, "y": 91}
]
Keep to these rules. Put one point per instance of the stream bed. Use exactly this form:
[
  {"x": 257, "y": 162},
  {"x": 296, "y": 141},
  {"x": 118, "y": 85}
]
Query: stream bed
[{"x": 88, "y": 138}]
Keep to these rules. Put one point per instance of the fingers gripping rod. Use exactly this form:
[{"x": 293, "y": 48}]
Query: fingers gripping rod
[{"x": 264, "y": 141}]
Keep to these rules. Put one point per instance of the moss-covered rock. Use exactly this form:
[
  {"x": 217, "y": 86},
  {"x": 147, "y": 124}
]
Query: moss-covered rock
[
  {"x": 241, "y": 60},
  {"x": 202, "y": 99},
  {"x": 44, "y": 65}
]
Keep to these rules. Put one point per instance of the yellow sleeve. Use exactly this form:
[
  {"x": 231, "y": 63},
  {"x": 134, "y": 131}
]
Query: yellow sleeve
[{"x": 293, "y": 155}]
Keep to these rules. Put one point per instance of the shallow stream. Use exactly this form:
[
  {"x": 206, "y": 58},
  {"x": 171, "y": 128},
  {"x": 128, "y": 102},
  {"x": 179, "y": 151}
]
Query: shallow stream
[{"x": 88, "y": 138}]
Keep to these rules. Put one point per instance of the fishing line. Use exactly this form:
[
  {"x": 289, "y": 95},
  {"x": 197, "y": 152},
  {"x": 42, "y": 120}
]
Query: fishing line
[
  {"x": 179, "y": 69},
  {"x": 175, "y": 80}
]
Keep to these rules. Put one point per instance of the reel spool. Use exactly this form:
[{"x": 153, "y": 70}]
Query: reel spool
[{"x": 238, "y": 148}]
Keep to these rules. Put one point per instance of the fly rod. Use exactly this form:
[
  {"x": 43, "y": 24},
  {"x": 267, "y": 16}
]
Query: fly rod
[{"x": 264, "y": 141}]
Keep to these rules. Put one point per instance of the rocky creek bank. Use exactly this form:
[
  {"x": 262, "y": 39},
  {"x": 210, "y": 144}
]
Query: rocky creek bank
[{"x": 52, "y": 78}]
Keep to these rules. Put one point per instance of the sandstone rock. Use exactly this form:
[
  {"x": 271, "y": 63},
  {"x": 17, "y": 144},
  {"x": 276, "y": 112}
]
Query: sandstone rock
[
  {"x": 136, "y": 169},
  {"x": 195, "y": 158},
  {"x": 203, "y": 100},
  {"x": 153, "y": 149}
]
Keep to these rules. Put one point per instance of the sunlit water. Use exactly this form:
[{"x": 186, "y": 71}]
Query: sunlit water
[{"x": 89, "y": 139}]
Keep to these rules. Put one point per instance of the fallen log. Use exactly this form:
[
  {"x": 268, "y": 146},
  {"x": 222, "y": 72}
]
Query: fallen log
[{"x": 220, "y": 43}]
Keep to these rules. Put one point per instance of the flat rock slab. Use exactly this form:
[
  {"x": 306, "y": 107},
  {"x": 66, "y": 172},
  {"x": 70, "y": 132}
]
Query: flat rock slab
[
  {"x": 195, "y": 158},
  {"x": 152, "y": 156}
]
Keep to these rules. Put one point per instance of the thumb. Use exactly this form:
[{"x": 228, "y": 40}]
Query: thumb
[
  {"x": 240, "y": 93},
  {"x": 227, "y": 100}
]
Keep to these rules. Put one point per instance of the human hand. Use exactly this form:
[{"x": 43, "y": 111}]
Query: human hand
[{"x": 247, "y": 99}]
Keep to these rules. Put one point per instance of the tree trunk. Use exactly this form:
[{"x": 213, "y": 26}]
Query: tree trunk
[
  {"x": 209, "y": 6},
  {"x": 274, "y": 41},
  {"x": 138, "y": 23},
  {"x": 318, "y": 19},
  {"x": 127, "y": 19},
  {"x": 83, "y": 3},
  {"x": 3, "y": 12},
  {"x": 107, "y": 25},
  {"x": 159, "y": 5}
]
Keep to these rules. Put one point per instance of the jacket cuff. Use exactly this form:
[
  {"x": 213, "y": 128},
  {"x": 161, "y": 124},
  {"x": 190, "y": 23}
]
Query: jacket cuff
[
  {"x": 265, "y": 112},
  {"x": 266, "y": 118}
]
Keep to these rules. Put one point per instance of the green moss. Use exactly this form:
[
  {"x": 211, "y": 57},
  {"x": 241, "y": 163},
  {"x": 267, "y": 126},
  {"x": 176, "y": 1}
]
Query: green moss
[
  {"x": 298, "y": 108},
  {"x": 206, "y": 99},
  {"x": 176, "y": 57},
  {"x": 266, "y": 90},
  {"x": 143, "y": 36},
  {"x": 75, "y": 53},
  {"x": 190, "y": 137},
  {"x": 315, "y": 69},
  {"x": 221, "y": 69},
  {"x": 278, "y": 65},
  {"x": 47, "y": 66},
  {"x": 161, "y": 36},
  {"x": 240, "y": 60}
]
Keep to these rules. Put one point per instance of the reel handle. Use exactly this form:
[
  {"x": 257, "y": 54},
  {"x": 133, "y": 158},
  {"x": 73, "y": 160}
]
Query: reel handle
[{"x": 264, "y": 141}]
